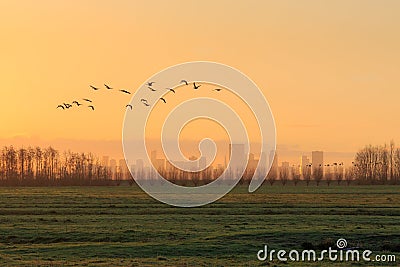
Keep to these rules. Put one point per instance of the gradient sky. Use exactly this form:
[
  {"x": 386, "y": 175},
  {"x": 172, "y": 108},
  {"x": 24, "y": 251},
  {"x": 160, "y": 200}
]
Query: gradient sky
[{"x": 329, "y": 69}]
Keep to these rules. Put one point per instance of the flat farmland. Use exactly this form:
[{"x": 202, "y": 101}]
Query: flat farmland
[{"x": 122, "y": 226}]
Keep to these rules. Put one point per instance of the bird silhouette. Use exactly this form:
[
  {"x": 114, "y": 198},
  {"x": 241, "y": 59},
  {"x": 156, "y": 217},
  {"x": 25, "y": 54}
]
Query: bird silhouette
[
  {"x": 143, "y": 100},
  {"x": 217, "y": 89},
  {"x": 146, "y": 104},
  {"x": 150, "y": 83},
  {"x": 129, "y": 106},
  {"x": 67, "y": 105},
  {"x": 196, "y": 86},
  {"x": 163, "y": 100},
  {"x": 77, "y": 103},
  {"x": 172, "y": 90},
  {"x": 184, "y": 81},
  {"x": 91, "y": 107},
  {"x": 152, "y": 89},
  {"x": 60, "y": 106},
  {"x": 108, "y": 87},
  {"x": 87, "y": 100},
  {"x": 94, "y": 88},
  {"x": 124, "y": 91}
]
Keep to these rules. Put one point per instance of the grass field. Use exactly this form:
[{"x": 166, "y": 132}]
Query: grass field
[{"x": 122, "y": 226}]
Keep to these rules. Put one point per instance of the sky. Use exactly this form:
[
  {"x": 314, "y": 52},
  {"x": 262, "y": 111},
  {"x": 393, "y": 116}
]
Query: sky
[{"x": 329, "y": 69}]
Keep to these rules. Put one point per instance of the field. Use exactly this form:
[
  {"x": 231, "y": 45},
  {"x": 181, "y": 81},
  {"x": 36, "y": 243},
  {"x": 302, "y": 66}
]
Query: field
[{"x": 122, "y": 226}]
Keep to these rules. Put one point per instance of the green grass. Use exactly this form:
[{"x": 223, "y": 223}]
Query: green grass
[{"x": 122, "y": 226}]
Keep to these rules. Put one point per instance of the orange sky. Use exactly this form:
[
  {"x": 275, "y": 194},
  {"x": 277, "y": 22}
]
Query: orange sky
[{"x": 330, "y": 70}]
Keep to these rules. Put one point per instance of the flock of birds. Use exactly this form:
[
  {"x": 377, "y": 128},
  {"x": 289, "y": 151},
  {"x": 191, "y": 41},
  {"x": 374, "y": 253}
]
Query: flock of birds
[{"x": 143, "y": 101}]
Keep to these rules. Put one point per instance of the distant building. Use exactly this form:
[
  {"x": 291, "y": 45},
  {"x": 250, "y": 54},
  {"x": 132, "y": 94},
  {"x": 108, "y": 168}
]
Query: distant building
[
  {"x": 252, "y": 163},
  {"x": 317, "y": 160},
  {"x": 123, "y": 169},
  {"x": 187, "y": 165},
  {"x": 304, "y": 161},
  {"x": 239, "y": 161}
]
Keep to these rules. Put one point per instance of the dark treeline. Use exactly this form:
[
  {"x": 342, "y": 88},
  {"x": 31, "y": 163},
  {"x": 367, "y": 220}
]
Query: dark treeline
[
  {"x": 372, "y": 165},
  {"x": 47, "y": 167},
  {"x": 377, "y": 164}
]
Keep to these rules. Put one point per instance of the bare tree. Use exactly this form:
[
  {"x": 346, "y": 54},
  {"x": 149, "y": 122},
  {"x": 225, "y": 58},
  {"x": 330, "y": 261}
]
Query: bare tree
[
  {"x": 272, "y": 176},
  {"x": 396, "y": 166},
  {"x": 338, "y": 172},
  {"x": 318, "y": 174},
  {"x": 328, "y": 175},
  {"x": 306, "y": 172},
  {"x": 284, "y": 175},
  {"x": 372, "y": 164},
  {"x": 296, "y": 174},
  {"x": 350, "y": 174}
]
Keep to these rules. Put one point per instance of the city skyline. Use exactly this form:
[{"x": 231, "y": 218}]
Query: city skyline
[{"x": 162, "y": 164}]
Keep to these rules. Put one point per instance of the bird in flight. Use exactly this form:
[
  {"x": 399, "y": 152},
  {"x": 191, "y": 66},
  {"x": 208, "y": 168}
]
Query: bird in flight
[
  {"x": 94, "y": 88},
  {"x": 163, "y": 100},
  {"x": 150, "y": 83},
  {"x": 129, "y": 106},
  {"x": 196, "y": 86},
  {"x": 91, "y": 107},
  {"x": 172, "y": 90},
  {"x": 60, "y": 106},
  {"x": 67, "y": 105},
  {"x": 108, "y": 87},
  {"x": 217, "y": 89},
  {"x": 184, "y": 81},
  {"x": 152, "y": 89},
  {"x": 124, "y": 91},
  {"x": 77, "y": 103},
  {"x": 143, "y": 100},
  {"x": 87, "y": 100},
  {"x": 146, "y": 104}
]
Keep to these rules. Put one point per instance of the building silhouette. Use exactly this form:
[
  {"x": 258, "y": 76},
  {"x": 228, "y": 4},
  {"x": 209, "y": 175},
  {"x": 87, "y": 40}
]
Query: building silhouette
[
  {"x": 123, "y": 170},
  {"x": 239, "y": 161},
  {"x": 304, "y": 161},
  {"x": 317, "y": 160},
  {"x": 252, "y": 162}
]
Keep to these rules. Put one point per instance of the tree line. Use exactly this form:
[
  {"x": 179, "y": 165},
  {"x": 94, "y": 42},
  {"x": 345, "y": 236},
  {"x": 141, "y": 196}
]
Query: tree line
[
  {"x": 372, "y": 165},
  {"x": 377, "y": 164},
  {"x": 35, "y": 166}
]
